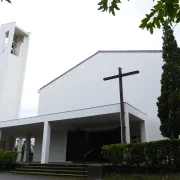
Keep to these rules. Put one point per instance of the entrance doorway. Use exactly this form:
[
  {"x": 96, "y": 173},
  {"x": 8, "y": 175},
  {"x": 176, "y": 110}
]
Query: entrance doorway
[{"x": 81, "y": 142}]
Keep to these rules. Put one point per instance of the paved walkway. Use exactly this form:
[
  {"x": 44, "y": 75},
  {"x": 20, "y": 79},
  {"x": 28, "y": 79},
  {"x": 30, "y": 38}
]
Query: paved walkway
[{"x": 27, "y": 177}]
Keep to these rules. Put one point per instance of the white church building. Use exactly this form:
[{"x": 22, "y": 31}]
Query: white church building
[{"x": 78, "y": 111}]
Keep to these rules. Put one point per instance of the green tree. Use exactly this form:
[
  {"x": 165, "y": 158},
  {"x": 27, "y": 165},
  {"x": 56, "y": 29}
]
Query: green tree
[
  {"x": 163, "y": 10},
  {"x": 169, "y": 100}
]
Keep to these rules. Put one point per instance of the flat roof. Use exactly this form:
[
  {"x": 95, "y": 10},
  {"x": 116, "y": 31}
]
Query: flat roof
[{"x": 74, "y": 114}]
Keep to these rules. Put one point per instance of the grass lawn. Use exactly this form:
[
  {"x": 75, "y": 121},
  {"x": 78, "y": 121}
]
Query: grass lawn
[{"x": 142, "y": 177}]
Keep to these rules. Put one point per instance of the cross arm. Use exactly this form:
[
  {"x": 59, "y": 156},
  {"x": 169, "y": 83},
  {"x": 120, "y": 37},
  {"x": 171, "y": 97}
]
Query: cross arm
[{"x": 111, "y": 77}]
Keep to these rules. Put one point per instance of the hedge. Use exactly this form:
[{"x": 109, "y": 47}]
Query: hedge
[
  {"x": 7, "y": 158},
  {"x": 157, "y": 153}
]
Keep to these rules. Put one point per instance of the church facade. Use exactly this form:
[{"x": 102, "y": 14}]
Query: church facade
[{"x": 78, "y": 111}]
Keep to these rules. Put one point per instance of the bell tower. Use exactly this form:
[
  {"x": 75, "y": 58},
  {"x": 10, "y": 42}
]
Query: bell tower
[{"x": 14, "y": 44}]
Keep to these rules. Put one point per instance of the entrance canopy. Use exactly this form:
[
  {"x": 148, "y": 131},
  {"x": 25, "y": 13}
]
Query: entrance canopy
[
  {"x": 56, "y": 134},
  {"x": 79, "y": 115}
]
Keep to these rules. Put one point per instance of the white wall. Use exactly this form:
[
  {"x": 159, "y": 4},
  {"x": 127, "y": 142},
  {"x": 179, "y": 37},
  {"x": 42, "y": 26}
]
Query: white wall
[
  {"x": 58, "y": 146},
  {"x": 37, "y": 148},
  {"x": 12, "y": 70},
  {"x": 4, "y": 54},
  {"x": 83, "y": 87},
  {"x": 57, "y": 151}
]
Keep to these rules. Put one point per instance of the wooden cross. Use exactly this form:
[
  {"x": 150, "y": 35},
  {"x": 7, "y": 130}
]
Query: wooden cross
[{"x": 122, "y": 121}]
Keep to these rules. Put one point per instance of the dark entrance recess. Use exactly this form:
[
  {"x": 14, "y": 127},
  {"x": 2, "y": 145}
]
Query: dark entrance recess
[
  {"x": 80, "y": 142},
  {"x": 76, "y": 146}
]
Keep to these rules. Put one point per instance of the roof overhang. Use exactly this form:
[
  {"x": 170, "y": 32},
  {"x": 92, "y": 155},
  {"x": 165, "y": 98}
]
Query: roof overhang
[{"x": 80, "y": 113}]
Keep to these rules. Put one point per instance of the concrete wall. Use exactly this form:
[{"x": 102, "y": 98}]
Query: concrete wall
[
  {"x": 37, "y": 148},
  {"x": 12, "y": 70},
  {"x": 8, "y": 139},
  {"x": 143, "y": 131},
  {"x": 58, "y": 146},
  {"x": 135, "y": 129},
  {"x": 83, "y": 87}
]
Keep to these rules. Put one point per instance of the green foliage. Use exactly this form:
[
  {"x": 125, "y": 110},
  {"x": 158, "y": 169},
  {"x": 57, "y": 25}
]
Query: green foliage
[
  {"x": 103, "y": 5},
  {"x": 114, "y": 153},
  {"x": 8, "y": 157},
  {"x": 164, "y": 10},
  {"x": 115, "y": 176},
  {"x": 157, "y": 153},
  {"x": 169, "y": 100}
]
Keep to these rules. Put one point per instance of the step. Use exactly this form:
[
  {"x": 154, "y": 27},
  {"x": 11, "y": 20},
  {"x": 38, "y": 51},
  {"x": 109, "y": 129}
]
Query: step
[
  {"x": 55, "y": 164},
  {"x": 53, "y": 167},
  {"x": 51, "y": 170},
  {"x": 49, "y": 174}
]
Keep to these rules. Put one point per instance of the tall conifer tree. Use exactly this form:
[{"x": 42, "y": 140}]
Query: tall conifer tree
[{"x": 169, "y": 100}]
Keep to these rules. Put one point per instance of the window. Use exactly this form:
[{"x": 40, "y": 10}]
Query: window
[
  {"x": 13, "y": 49},
  {"x": 6, "y": 40},
  {"x": 17, "y": 45}
]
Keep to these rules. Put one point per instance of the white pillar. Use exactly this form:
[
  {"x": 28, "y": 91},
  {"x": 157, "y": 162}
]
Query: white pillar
[
  {"x": 127, "y": 128},
  {"x": 27, "y": 147},
  {"x": 127, "y": 124},
  {"x": 46, "y": 143},
  {"x": 19, "y": 149},
  {"x": 143, "y": 131}
]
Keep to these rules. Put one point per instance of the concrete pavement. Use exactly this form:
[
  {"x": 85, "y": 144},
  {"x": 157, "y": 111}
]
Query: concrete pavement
[{"x": 6, "y": 176}]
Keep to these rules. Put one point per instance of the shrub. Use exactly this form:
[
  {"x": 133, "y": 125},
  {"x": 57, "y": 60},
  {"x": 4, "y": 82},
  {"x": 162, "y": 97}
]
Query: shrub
[
  {"x": 7, "y": 159},
  {"x": 144, "y": 176},
  {"x": 156, "y": 153}
]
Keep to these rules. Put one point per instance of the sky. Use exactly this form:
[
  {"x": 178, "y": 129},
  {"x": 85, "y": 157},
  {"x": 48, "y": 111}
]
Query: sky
[{"x": 64, "y": 33}]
